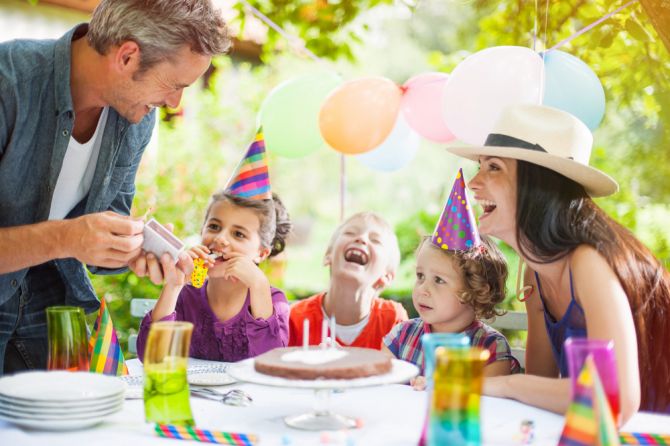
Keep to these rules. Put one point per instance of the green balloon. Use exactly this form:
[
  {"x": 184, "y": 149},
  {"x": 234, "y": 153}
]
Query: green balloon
[{"x": 290, "y": 114}]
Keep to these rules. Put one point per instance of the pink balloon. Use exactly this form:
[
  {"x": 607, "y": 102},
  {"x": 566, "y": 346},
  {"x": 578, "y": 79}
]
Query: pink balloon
[
  {"x": 422, "y": 106},
  {"x": 485, "y": 83}
]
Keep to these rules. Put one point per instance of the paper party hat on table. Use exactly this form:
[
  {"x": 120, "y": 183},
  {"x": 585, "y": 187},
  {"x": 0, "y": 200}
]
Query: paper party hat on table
[
  {"x": 589, "y": 420},
  {"x": 104, "y": 349},
  {"x": 251, "y": 179},
  {"x": 457, "y": 228}
]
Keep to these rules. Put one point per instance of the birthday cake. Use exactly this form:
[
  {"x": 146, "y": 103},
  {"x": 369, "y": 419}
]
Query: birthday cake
[{"x": 323, "y": 363}]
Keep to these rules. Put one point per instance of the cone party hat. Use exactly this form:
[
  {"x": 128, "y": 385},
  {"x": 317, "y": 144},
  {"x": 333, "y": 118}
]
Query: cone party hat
[
  {"x": 251, "y": 179},
  {"x": 105, "y": 352},
  {"x": 457, "y": 228},
  {"x": 589, "y": 420}
]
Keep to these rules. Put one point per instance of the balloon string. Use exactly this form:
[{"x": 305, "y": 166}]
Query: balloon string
[
  {"x": 343, "y": 185},
  {"x": 289, "y": 37},
  {"x": 535, "y": 26},
  {"x": 589, "y": 27}
]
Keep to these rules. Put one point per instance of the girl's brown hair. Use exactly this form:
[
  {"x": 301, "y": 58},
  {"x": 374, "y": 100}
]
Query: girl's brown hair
[
  {"x": 275, "y": 223},
  {"x": 484, "y": 272}
]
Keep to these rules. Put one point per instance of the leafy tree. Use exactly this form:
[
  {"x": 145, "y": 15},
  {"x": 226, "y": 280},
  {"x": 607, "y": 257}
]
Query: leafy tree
[{"x": 319, "y": 23}]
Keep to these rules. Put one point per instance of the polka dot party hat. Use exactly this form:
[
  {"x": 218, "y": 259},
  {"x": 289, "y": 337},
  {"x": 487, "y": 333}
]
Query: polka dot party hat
[{"x": 457, "y": 228}]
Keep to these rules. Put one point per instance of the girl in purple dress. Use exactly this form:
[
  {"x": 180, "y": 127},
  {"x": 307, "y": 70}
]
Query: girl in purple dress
[{"x": 236, "y": 314}]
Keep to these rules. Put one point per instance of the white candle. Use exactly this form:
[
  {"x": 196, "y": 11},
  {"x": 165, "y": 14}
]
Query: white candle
[
  {"x": 332, "y": 331},
  {"x": 324, "y": 333},
  {"x": 305, "y": 334}
]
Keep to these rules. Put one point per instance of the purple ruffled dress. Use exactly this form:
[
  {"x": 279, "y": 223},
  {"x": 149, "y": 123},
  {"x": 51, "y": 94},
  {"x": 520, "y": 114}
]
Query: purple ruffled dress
[{"x": 240, "y": 337}]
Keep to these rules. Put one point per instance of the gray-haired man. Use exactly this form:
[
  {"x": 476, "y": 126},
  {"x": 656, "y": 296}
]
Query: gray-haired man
[{"x": 75, "y": 116}]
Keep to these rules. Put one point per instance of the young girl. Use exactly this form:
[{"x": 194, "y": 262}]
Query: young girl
[
  {"x": 236, "y": 314},
  {"x": 453, "y": 290}
]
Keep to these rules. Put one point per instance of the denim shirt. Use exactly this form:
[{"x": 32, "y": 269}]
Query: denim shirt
[{"x": 36, "y": 121}]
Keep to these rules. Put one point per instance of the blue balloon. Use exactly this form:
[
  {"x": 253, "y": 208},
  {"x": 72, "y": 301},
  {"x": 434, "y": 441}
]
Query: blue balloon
[
  {"x": 572, "y": 86},
  {"x": 398, "y": 149}
]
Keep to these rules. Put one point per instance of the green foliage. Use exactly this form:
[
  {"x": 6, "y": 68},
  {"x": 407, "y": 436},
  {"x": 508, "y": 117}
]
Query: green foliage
[{"x": 319, "y": 23}]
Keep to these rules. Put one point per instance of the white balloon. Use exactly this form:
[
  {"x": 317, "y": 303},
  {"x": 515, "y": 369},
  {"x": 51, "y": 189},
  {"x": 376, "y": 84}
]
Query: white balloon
[{"x": 485, "y": 83}]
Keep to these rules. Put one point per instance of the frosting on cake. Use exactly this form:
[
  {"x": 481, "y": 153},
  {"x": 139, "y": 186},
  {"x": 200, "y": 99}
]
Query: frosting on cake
[
  {"x": 318, "y": 363},
  {"x": 320, "y": 356}
]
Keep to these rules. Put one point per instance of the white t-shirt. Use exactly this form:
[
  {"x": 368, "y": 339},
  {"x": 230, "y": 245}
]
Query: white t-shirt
[
  {"x": 76, "y": 174},
  {"x": 348, "y": 333}
]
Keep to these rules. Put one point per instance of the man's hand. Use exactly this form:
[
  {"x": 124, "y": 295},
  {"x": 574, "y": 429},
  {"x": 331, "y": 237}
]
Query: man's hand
[
  {"x": 105, "y": 239},
  {"x": 146, "y": 264}
]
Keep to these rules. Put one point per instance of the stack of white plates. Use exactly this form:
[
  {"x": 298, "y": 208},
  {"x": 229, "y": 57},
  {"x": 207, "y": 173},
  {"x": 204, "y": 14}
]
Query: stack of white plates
[{"x": 59, "y": 400}]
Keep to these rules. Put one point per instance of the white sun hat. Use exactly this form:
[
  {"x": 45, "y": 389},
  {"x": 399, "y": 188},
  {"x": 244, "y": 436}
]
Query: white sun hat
[{"x": 548, "y": 137}]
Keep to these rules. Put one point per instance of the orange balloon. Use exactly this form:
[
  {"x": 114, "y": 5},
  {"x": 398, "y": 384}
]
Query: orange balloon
[{"x": 359, "y": 115}]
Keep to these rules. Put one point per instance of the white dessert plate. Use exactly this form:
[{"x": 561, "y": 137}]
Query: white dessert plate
[
  {"x": 54, "y": 409},
  {"x": 210, "y": 379},
  {"x": 55, "y": 425},
  {"x": 60, "y": 387}
]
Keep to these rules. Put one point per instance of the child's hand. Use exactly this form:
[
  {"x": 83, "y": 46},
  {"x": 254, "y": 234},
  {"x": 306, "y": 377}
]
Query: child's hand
[
  {"x": 242, "y": 268},
  {"x": 201, "y": 252},
  {"x": 419, "y": 383}
]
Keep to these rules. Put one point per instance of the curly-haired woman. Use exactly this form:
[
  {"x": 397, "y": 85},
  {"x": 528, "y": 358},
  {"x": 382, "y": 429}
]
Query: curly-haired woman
[{"x": 453, "y": 290}]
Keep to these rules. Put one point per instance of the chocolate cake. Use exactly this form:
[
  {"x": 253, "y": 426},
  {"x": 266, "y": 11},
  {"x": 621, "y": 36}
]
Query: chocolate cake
[{"x": 318, "y": 363}]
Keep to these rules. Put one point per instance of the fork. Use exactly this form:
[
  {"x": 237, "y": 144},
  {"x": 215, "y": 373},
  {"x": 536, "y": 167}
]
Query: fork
[{"x": 234, "y": 397}]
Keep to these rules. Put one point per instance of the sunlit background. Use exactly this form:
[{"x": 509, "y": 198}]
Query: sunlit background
[{"x": 197, "y": 146}]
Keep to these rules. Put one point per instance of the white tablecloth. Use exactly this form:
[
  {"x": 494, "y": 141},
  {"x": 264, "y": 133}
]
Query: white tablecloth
[{"x": 391, "y": 415}]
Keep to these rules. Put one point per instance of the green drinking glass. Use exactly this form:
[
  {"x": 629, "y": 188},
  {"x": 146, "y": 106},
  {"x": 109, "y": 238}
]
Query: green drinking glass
[{"x": 166, "y": 392}]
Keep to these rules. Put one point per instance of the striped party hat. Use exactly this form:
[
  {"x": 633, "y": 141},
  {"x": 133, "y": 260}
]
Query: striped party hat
[
  {"x": 251, "y": 179},
  {"x": 607, "y": 431},
  {"x": 456, "y": 230},
  {"x": 589, "y": 419},
  {"x": 104, "y": 349}
]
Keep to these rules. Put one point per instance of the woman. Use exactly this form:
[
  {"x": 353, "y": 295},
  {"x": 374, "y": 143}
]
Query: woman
[{"x": 587, "y": 275}]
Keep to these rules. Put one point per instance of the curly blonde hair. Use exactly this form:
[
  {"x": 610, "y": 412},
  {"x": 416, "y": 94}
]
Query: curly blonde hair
[{"x": 484, "y": 273}]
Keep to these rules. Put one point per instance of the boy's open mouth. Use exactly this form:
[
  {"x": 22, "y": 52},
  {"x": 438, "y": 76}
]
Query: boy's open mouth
[
  {"x": 425, "y": 307},
  {"x": 355, "y": 255}
]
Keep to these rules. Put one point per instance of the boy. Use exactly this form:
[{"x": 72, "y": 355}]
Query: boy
[{"x": 363, "y": 257}]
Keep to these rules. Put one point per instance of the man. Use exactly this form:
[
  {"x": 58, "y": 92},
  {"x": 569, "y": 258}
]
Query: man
[{"x": 75, "y": 117}]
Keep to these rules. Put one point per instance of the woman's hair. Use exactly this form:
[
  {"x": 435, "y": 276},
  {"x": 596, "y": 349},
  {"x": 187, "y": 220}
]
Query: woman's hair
[
  {"x": 554, "y": 216},
  {"x": 484, "y": 273},
  {"x": 159, "y": 27},
  {"x": 275, "y": 223}
]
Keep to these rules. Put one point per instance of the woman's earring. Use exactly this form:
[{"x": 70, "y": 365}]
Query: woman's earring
[{"x": 524, "y": 293}]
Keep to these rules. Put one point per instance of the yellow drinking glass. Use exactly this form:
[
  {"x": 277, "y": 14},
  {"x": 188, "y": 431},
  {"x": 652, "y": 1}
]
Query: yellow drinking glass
[{"x": 166, "y": 392}]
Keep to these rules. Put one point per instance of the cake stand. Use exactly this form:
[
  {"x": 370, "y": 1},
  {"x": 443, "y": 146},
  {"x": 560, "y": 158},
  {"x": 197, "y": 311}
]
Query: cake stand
[{"x": 321, "y": 417}]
